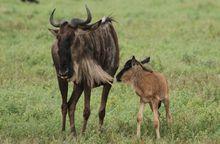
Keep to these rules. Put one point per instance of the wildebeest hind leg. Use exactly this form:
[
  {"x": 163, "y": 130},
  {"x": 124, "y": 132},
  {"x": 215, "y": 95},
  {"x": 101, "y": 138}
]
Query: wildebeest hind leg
[
  {"x": 86, "y": 112},
  {"x": 105, "y": 92},
  {"x": 159, "y": 104},
  {"x": 168, "y": 114},
  {"x": 156, "y": 118}
]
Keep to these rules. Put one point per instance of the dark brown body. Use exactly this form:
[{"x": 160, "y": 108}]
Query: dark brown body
[{"x": 91, "y": 51}]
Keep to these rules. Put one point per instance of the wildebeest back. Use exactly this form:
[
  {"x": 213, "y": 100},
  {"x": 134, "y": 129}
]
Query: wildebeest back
[{"x": 99, "y": 46}]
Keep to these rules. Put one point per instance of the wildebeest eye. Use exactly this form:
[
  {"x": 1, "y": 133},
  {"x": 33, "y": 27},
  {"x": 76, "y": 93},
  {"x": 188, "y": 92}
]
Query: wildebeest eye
[
  {"x": 127, "y": 66},
  {"x": 58, "y": 37}
]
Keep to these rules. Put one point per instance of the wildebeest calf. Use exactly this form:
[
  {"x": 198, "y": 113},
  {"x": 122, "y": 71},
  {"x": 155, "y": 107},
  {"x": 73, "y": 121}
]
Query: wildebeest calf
[{"x": 152, "y": 87}]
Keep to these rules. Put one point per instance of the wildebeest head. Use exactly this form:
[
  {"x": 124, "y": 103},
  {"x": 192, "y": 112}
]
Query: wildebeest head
[
  {"x": 65, "y": 37},
  {"x": 130, "y": 64}
]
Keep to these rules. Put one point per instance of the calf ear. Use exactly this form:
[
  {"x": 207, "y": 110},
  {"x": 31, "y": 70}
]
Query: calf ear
[
  {"x": 133, "y": 60},
  {"x": 146, "y": 60},
  {"x": 133, "y": 57},
  {"x": 54, "y": 32}
]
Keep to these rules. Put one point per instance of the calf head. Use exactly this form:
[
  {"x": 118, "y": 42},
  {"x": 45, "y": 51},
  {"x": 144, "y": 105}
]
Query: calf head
[{"x": 132, "y": 63}]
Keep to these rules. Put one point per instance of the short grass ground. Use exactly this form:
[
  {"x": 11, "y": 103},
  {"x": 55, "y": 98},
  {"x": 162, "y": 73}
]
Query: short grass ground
[{"x": 181, "y": 36}]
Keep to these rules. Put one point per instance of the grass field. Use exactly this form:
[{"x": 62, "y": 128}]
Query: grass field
[{"x": 181, "y": 36}]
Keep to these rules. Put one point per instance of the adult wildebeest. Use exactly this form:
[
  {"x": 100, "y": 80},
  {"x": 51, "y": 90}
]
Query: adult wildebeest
[
  {"x": 150, "y": 86},
  {"x": 88, "y": 55}
]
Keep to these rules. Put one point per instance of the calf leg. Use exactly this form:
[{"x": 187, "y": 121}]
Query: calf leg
[
  {"x": 168, "y": 114},
  {"x": 159, "y": 104},
  {"x": 63, "y": 86},
  {"x": 140, "y": 118},
  {"x": 78, "y": 89},
  {"x": 105, "y": 92},
  {"x": 156, "y": 118},
  {"x": 86, "y": 113}
]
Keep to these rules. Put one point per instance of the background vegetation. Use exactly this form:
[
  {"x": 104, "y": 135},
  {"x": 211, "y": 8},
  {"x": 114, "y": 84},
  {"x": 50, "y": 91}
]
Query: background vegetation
[{"x": 181, "y": 36}]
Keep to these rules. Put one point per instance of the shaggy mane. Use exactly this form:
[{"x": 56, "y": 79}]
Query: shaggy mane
[
  {"x": 88, "y": 70},
  {"x": 97, "y": 24}
]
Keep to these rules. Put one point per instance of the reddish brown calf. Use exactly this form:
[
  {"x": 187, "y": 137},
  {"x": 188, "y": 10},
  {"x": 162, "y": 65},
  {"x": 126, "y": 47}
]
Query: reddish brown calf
[{"x": 151, "y": 87}]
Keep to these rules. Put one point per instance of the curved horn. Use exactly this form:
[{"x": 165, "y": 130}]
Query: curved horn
[
  {"x": 89, "y": 16},
  {"x": 52, "y": 22},
  {"x": 75, "y": 21}
]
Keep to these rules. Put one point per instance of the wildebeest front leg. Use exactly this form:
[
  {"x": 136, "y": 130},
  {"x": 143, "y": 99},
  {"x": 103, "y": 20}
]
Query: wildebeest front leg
[
  {"x": 140, "y": 118},
  {"x": 105, "y": 92},
  {"x": 63, "y": 86},
  {"x": 86, "y": 112},
  {"x": 78, "y": 89}
]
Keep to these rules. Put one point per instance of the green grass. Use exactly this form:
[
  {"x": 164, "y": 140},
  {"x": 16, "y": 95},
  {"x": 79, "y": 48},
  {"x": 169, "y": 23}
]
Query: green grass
[{"x": 181, "y": 36}]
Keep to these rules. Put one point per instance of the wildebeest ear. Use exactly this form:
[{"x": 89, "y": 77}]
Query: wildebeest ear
[
  {"x": 54, "y": 31},
  {"x": 146, "y": 60},
  {"x": 133, "y": 61}
]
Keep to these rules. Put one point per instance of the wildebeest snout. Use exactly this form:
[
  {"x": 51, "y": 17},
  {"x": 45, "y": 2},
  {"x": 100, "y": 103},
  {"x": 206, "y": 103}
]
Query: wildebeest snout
[{"x": 64, "y": 74}]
